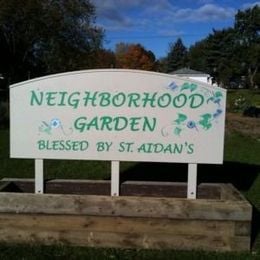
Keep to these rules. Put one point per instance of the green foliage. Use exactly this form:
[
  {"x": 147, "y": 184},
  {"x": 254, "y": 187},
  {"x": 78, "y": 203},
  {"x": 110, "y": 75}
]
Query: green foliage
[
  {"x": 238, "y": 100},
  {"x": 177, "y": 56},
  {"x": 4, "y": 114},
  {"x": 73, "y": 253},
  {"x": 42, "y": 37},
  {"x": 232, "y": 55},
  {"x": 197, "y": 56}
]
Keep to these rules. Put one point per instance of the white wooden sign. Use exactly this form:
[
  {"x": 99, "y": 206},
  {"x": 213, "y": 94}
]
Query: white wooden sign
[{"x": 117, "y": 115}]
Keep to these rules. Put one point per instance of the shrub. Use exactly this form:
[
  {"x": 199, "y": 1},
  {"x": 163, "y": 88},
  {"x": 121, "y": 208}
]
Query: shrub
[{"x": 4, "y": 114}]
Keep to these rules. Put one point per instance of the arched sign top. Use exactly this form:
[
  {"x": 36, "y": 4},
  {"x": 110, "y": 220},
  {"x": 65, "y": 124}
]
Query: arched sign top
[
  {"x": 113, "y": 71},
  {"x": 111, "y": 114}
]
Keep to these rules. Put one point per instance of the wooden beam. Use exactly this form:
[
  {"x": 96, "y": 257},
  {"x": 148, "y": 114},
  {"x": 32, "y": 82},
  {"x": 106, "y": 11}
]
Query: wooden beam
[
  {"x": 172, "y": 208},
  {"x": 124, "y": 232}
]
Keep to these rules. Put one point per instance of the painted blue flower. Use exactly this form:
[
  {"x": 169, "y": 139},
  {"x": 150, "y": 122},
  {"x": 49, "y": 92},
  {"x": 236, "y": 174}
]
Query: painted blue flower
[
  {"x": 217, "y": 101},
  {"x": 217, "y": 113},
  {"x": 191, "y": 124},
  {"x": 173, "y": 86},
  {"x": 55, "y": 123}
]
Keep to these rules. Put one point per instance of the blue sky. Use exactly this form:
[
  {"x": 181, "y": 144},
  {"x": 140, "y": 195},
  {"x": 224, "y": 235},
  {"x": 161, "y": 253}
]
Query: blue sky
[{"x": 156, "y": 23}]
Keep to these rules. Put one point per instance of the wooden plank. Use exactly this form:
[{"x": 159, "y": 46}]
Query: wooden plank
[
  {"x": 229, "y": 192},
  {"x": 125, "y": 206},
  {"x": 128, "y": 188},
  {"x": 4, "y": 185},
  {"x": 242, "y": 228},
  {"x": 122, "y": 240},
  {"x": 116, "y": 224},
  {"x": 240, "y": 243}
]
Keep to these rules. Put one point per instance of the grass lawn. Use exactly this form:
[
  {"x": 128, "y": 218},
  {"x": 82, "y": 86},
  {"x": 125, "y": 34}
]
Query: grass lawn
[{"x": 241, "y": 168}]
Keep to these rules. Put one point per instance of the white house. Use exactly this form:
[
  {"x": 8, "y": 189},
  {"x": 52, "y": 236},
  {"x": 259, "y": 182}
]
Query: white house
[{"x": 193, "y": 74}]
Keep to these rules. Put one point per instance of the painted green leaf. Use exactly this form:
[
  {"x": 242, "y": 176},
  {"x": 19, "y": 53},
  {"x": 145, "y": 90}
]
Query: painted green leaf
[
  {"x": 218, "y": 94},
  {"x": 181, "y": 118},
  {"x": 177, "y": 131},
  {"x": 185, "y": 86},
  {"x": 193, "y": 87}
]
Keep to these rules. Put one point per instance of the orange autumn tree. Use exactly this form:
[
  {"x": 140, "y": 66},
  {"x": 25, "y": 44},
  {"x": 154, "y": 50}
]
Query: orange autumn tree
[{"x": 134, "y": 56}]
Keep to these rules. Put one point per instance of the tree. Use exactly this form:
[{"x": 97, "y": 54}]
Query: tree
[
  {"x": 105, "y": 59},
  {"x": 231, "y": 55},
  {"x": 247, "y": 27},
  {"x": 197, "y": 56},
  {"x": 221, "y": 57},
  {"x": 41, "y": 37},
  {"x": 177, "y": 56},
  {"x": 134, "y": 56}
]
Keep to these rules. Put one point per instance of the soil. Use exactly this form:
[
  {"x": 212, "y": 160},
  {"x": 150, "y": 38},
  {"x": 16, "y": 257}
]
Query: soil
[{"x": 248, "y": 126}]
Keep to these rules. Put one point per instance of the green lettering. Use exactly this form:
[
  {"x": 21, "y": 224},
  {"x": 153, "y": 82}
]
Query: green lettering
[
  {"x": 80, "y": 123},
  {"x": 68, "y": 145},
  {"x": 190, "y": 148},
  {"x": 105, "y": 99},
  {"x": 149, "y": 147},
  {"x": 83, "y": 145},
  {"x": 141, "y": 149},
  {"x": 62, "y": 145},
  {"x": 178, "y": 148},
  {"x": 196, "y": 100},
  {"x": 88, "y": 98},
  {"x": 106, "y": 123},
  {"x": 75, "y": 146},
  {"x": 164, "y": 100},
  {"x": 93, "y": 123},
  {"x": 119, "y": 99},
  {"x": 149, "y": 99},
  {"x": 74, "y": 101},
  {"x": 62, "y": 100},
  {"x": 36, "y": 99},
  {"x": 50, "y": 97},
  {"x": 41, "y": 145},
  {"x": 158, "y": 148},
  {"x": 180, "y": 101},
  {"x": 55, "y": 145},
  {"x": 120, "y": 123},
  {"x": 134, "y": 123},
  {"x": 149, "y": 125},
  {"x": 133, "y": 100},
  {"x": 168, "y": 149}
]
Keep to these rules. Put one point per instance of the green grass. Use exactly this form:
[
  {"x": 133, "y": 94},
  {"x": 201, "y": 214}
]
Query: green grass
[
  {"x": 243, "y": 149},
  {"x": 61, "y": 252}
]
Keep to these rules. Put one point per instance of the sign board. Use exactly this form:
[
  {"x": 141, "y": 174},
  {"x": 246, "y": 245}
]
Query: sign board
[{"x": 124, "y": 115}]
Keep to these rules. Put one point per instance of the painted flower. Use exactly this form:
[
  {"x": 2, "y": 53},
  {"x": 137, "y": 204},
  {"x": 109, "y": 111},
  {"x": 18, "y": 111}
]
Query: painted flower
[
  {"x": 217, "y": 113},
  {"x": 191, "y": 124},
  {"x": 173, "y": 86},
  {"x": 55, "y": 123}
]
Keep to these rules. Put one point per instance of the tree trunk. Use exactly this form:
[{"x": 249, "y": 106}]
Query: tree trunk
[{"x": 251, "y": 76}]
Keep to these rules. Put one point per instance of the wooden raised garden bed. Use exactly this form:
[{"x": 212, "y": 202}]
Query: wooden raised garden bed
[{"x": 147, "y": 215}]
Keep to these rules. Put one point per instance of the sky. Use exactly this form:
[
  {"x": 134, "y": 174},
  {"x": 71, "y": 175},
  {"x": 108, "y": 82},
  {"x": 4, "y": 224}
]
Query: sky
[{"x": 157, "y": 23}]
